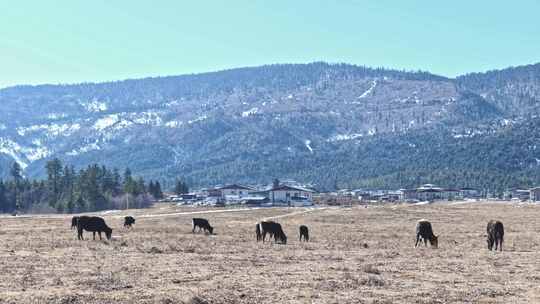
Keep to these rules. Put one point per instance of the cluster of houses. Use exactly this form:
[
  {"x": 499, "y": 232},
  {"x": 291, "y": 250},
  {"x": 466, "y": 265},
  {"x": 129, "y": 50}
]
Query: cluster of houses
[
  {"x": 296, "y": 195},
  {"x": 427, "y": 192},
  {"x": 276, "y": 195}
]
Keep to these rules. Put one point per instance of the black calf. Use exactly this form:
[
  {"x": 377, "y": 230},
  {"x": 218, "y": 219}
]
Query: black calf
[
  {"x": 128, "y": 221},
  {"x": 202, "y": 224},
  {"x": 304, "y": 233}
]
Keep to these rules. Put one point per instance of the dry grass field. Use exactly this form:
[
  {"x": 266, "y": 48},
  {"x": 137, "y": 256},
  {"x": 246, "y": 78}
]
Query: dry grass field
[{"x": 358, "y": 255}]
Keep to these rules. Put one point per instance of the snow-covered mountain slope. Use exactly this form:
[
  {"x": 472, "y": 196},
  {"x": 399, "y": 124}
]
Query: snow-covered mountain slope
[{"x": 216, "y": 122}]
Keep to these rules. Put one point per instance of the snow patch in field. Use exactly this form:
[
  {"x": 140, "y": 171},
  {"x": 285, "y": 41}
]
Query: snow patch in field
[
  {"x": 250, "y": 112},
  {"x": 368, "y": 91},
  {"x": 2, "y": 126}
]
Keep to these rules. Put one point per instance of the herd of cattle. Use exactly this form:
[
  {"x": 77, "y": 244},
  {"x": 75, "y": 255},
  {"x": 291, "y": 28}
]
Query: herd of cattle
[{"x": 424, "y": 230}]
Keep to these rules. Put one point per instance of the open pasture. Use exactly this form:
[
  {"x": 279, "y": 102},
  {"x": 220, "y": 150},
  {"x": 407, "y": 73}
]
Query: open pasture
[{"x": 355, "y": 255}]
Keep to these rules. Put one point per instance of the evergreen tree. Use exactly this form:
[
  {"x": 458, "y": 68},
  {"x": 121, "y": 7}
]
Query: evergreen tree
[
  {"x": 157, "y": 191},
  {"x": 3, "y": 198},
  {"x": 181, "y": 187},
  {"x": 54, "y": 174}
]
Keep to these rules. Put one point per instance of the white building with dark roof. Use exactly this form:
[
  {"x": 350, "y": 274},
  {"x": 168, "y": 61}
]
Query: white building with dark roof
[
  {"x": 234, "y": 190},
  {"x": 291, "y": 195}
]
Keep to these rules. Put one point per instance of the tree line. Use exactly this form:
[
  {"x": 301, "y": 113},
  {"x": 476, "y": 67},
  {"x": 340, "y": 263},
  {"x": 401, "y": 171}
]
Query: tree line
[{"x": 66, "y": 190}]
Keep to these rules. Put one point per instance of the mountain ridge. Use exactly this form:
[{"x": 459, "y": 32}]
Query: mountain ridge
[{"x": 215, "y": 123}]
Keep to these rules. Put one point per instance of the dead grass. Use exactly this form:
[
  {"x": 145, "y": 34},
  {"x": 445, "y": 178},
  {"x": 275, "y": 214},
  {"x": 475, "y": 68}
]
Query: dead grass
[{"x": 358, "y": 255}]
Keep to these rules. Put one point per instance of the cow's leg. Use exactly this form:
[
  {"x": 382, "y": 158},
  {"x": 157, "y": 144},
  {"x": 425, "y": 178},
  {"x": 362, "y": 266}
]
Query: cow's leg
[
  {"x": 500, "y": 244},
  {"x": 99, "y": 232},
  {"x": 80, "y": 234},
  {"x": 306, "y": 238},
  {"x": 425, "y": 242},
  {"x": 417, "y": 240},
  {"x": 94, "y": 235}
]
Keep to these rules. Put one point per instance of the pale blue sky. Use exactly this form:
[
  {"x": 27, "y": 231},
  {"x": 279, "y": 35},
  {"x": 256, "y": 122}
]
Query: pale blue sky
[{"x": 75, "y": 41}]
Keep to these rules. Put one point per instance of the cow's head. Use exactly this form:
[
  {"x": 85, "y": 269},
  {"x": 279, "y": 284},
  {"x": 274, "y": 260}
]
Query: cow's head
[
  {"x": 284, "y": 239},
  {"x": 74, "y": 222},
  {"x": 211, "y": 229},
  {"x": 108, "y": 233},
  {"x": 490, "y": 242},
  {"x": 434, "y": 241}
]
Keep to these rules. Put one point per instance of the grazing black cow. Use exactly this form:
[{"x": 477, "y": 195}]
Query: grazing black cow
[
  {"x": 495, "y": 234},
  {"x": 202, "y": 224},
  {"x": 93, "y": 224},
  {"x": 304, "y": 233},
  {"x": 275, "y": 231},
  {"x": 74, "y": 222},
  {"x": 258, "y": 232},
  {"x": 128, "y": 221},
  {"x": 425, "y": 232}
]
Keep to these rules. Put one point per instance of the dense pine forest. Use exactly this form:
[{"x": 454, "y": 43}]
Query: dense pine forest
[{"x": 66, "y": 190}]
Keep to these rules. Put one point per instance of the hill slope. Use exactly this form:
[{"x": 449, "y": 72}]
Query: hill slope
[{"x": 316, "y": 122}]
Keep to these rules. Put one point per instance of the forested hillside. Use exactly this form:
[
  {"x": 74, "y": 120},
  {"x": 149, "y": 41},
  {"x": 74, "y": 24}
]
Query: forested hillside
[{"x": 328, "y": 124}]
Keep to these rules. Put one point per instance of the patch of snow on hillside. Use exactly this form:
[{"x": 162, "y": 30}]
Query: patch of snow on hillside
[
  {"x": 33, "y": 154},
  {"x": 50, "y": 130},
  {"x": 372, "y": 131},
  {"x": 12, "y": 149},
  {"x": 172, "y": 103},
  {"x": 105, "y": 122},
  {"x": 200, "y": 118},
  {"x": 507, "y": 122},
  {"x": 468, "y": 134},
  {"x": 308, "y": 145},
  {"x": 56, "y": 115},
  {"x": 84, "y": 149},
  {"x": 369, "y": 91},
  {"x": 2, "y": 126},
  {"x": 95, "y": 106},
  {"x": 249, "y": 112},
  {"x": 148, "y": 118},
  {"x": 341, "y": 137},
  {"x": 174, "y": 124}
]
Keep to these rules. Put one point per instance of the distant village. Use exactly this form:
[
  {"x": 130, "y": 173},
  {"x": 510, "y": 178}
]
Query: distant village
[{"x": 293, "y": 194}]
